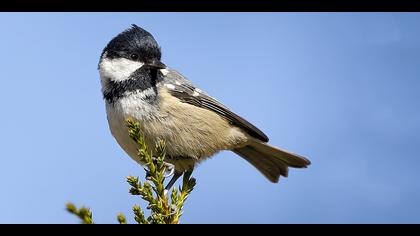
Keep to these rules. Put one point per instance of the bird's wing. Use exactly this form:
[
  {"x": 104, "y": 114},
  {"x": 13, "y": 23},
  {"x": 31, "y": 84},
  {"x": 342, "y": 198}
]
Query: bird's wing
[{"x": 185, "y": 91}]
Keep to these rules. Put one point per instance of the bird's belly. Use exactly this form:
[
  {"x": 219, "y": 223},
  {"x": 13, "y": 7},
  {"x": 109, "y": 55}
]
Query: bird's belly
[
  {"x": 191, "y": 134},
  {"x": 184, "y": 148}
]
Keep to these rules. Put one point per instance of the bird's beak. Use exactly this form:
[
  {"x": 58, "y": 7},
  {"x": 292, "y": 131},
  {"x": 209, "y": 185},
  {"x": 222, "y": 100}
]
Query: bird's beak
[{"x": 155, "y": 64}]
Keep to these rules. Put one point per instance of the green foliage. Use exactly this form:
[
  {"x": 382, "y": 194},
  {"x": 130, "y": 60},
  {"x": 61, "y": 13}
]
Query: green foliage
[
  {"x": 121, "y": 219},
  {"x": 164, "y": 210},
  {"x": 83, "y": 213}
]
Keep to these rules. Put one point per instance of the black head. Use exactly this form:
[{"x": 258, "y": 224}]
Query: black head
[{"x": 134, "y": 44}]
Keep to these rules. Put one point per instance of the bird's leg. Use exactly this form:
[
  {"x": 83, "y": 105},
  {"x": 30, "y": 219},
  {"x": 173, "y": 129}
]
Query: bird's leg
[
  {"x": 173, "y": 180},
  {"x": 187, "y": 175}
]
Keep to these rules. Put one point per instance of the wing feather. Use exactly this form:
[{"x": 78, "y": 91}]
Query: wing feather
[{"x": 187, "y": 93}]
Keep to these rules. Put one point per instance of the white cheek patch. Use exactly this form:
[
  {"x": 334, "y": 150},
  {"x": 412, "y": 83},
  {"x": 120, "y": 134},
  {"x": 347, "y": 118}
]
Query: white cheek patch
[{"x": 118, "y": 69}]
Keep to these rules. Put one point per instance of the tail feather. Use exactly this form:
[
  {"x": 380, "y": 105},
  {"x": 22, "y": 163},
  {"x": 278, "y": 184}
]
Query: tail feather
[
  {"x": 292, "y": 159},
  {"x": 269, "y": 169},
  {"x": 271, "y": 161}
]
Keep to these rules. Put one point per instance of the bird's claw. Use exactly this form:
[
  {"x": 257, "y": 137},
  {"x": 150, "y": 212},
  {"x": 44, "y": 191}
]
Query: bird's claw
[
  {"x": 169, "y": 168},
  {"x": 173, "y": 209}
]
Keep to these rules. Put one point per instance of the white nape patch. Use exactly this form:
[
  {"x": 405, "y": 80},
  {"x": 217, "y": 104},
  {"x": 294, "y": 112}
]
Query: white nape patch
[
  {"x": 170, "y": 86},
  {"x": 117, "y": 69},
  {"x": 164, "y": 71}
]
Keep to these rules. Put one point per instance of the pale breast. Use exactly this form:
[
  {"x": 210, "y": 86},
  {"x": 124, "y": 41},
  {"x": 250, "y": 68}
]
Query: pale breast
[{"x": 132, "y": 106}]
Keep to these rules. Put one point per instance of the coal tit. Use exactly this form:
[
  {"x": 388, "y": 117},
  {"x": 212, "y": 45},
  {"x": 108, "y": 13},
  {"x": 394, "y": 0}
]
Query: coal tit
[{"x": 195, "y": 126}]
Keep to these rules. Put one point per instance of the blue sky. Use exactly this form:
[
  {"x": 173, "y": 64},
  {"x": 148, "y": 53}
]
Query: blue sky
[{"x": 339, "y": 88}]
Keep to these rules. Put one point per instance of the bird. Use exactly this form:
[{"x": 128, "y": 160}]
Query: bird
[{"x": 195, "y": 126}]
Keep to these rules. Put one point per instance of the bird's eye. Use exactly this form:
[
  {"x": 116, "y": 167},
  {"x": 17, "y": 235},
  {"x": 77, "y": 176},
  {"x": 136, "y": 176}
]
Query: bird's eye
[{"x": 134, "y": 56}]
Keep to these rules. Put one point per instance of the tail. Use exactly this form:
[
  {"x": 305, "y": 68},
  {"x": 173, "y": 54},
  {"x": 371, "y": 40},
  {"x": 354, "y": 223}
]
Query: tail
[{"x": 271, "y": 161}]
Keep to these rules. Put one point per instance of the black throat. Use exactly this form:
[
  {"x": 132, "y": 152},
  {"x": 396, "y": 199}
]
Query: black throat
[{"x": 142, "y": 79}]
